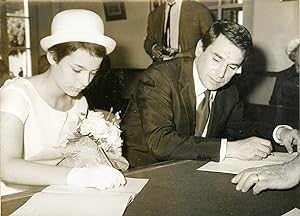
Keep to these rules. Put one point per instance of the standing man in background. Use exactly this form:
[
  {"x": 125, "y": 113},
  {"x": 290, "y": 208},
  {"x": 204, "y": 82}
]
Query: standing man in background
[{"x": 175, "y": 27}]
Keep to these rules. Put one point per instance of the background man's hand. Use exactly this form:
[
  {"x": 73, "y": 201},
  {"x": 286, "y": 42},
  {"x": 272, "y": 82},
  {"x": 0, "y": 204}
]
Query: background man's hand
[
  {"x": 160, "y": 52},
  {"x": 252, "y": 148},
  {"x": 157, "y": 52}
]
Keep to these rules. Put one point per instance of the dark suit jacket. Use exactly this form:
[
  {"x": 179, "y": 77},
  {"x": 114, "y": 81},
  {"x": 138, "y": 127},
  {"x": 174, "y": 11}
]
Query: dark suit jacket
[
  {"x": 160, "y": 121},
  {"x": 286, "y": 88},
  {"x": 195, "y": 19}
]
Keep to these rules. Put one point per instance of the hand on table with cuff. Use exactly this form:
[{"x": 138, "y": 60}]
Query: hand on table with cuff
[
  {"x": 287, "y": 136},
  {"x": 252, "y": 148},
  {"x": 281, "y": 176}
]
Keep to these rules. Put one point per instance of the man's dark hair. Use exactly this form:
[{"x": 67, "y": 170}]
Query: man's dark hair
[{"x": 234, "y": 32}]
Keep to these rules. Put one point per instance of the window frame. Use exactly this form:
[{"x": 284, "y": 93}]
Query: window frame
[{"x": 4, "y": 44}]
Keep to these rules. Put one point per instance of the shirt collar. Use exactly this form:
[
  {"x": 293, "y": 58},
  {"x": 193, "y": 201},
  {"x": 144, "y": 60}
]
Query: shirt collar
[
  {"x": 199, "y": 87},
  {"x": 175, "y": 3}
]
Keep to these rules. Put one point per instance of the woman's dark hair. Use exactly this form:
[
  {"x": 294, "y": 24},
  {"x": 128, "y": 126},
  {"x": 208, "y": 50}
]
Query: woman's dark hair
[
  {"x": 236, "y": 33},
  {"x": 59, "y": 51},
  {"x": 104, "y": 92}
]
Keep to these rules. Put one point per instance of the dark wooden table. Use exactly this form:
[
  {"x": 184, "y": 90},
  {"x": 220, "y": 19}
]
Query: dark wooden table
[{"x": 177, "y": 188}]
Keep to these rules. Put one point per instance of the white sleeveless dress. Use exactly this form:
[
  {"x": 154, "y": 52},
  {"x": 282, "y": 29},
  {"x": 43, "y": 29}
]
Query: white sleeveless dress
[{"x": 45, "y": 129}]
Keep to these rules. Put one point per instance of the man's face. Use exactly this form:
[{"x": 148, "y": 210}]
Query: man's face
[{"x": 218, "y": 63}]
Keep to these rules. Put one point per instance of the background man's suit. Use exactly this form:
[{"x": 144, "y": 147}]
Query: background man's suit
[
  {"x": 195, "y": 19},
  {"x": 160, "y": 121}
]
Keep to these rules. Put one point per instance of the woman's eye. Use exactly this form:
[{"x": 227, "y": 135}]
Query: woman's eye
[{"x": 77, "y": 71}]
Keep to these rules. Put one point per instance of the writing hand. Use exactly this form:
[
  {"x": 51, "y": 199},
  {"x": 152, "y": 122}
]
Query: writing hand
[
  {"x": 252, "y": 148},
  {"x": 101, "y": 177}
]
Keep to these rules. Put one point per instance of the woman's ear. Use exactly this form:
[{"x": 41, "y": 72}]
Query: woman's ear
[
  {"x": 51, "y": 58},
  {"x": 199, "y": 48}
]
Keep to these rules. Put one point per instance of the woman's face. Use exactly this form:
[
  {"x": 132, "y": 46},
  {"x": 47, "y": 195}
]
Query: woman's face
[{"x": 74, "y": 72}]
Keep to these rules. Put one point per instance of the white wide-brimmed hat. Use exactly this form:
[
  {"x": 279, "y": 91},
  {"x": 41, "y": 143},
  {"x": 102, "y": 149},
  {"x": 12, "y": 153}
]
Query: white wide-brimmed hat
[
  {"x": 292, "y": 45},
  {"x": 77, "y": 25}
]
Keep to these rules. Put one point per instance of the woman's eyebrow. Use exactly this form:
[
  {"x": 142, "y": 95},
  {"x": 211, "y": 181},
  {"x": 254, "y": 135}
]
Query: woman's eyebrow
[{"x": 84, "y": 67}]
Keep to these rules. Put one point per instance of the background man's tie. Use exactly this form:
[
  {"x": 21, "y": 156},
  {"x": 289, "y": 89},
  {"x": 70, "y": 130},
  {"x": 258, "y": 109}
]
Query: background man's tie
[
  {"x": 202, "y": 114},
  {"x": 167, "y": 32}
]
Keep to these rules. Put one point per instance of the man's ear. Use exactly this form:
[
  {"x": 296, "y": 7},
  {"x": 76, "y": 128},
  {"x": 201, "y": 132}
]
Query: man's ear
[
  {"x": 51, "y": 58},
  {"x": 199, "y": 48}
]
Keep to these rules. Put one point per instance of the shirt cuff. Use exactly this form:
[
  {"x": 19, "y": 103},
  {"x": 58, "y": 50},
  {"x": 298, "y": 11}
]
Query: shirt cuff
[
  {"x": 223, "y": 149},
  {"x": 154, "y": 45},
  {"x": 276, "y": 139}
]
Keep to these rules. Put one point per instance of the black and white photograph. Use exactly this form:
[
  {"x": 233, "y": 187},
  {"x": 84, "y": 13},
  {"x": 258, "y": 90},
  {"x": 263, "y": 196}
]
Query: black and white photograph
[{"x": 149, "y": 107}]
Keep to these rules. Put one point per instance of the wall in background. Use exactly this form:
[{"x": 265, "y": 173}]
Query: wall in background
[
  {"x": 272, "y": 23},
  {"x": 130, "y": 35},
  {"x": 275, "y": 23}
]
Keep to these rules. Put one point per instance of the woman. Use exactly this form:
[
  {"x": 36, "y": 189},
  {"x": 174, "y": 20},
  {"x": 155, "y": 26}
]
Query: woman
[
  {"x": 286, "y": 89},
  {"x": 36, "y": 113}
]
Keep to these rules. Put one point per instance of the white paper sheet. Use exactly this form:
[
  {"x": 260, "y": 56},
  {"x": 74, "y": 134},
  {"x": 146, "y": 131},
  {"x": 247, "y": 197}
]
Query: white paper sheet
[
  {"x": 293, "y": 212},
  {"x": 61, "y": 200},
  {"x": 235, "y": 166}
]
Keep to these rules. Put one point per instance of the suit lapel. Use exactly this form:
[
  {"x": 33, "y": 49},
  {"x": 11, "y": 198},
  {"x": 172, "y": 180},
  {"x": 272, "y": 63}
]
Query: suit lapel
[
  {"x": 187, "y": 93},
  {"x": 161, "y": 19},
  {"x": 181, "y": 25}
]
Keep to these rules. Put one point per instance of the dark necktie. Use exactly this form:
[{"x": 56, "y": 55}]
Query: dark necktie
[
  {"x": 166, "y": 41},
  {"x": 202, "y": 114}
]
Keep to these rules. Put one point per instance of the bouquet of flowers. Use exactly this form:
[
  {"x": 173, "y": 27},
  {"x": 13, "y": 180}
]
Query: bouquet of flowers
[{"x": 96, "y": 141}]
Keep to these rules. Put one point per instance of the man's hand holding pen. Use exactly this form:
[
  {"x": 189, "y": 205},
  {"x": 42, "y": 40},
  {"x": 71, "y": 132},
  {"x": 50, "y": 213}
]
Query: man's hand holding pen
[{"x": 252, "y": 148}]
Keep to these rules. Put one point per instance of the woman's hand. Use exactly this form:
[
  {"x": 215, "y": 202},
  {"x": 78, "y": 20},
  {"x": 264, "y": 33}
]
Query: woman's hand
[{"x": 101, "y": 177}]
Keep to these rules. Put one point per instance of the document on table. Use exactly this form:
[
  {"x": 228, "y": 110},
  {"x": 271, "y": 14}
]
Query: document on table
[
  {"x": 293, "y": 212},
  {"x": 235, "y": 166},
  {"x": 61, "y": 200}
]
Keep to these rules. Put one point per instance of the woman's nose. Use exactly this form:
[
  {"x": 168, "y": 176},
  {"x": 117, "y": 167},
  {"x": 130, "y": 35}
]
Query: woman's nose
[{"x": 85, "y": 79}]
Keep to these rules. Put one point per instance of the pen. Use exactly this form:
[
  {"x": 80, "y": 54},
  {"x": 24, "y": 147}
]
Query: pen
[
  {"x": 105, "y": 157},
  {"x": 257, "y": 134}
]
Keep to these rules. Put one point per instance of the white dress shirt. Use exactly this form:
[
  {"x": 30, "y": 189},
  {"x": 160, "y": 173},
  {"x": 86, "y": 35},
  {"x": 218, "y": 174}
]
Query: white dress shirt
[
  {"x": 199, "y": 91},
  {"x": 174, "y": 23}
]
